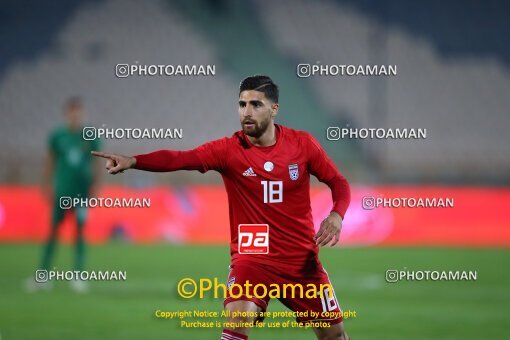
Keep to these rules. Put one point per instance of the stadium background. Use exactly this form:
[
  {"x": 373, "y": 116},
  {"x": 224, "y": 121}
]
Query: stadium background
[{"x": 453, "y": 79}]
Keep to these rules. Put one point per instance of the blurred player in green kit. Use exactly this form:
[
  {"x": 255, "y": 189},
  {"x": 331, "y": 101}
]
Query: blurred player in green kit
[{"x": 71, "y": 172}]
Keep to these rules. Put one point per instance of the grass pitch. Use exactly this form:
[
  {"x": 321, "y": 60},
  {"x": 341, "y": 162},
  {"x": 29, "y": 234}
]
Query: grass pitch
[{"x": 126, "y": 310}]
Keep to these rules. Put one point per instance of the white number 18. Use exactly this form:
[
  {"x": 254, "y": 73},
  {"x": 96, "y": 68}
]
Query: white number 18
[{"x": 273, "y": 191}]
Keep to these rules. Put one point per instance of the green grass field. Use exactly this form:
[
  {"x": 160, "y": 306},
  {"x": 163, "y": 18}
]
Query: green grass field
[{"x": 125, "y": 310}]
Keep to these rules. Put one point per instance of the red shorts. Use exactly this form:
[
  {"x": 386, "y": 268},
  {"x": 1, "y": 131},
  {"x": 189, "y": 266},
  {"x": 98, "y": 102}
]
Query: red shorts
[{"x": 325, "y": 306}]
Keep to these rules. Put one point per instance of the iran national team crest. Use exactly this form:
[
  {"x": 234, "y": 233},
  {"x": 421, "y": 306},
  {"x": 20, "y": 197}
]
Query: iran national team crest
[{"x": 293, "y": 172}]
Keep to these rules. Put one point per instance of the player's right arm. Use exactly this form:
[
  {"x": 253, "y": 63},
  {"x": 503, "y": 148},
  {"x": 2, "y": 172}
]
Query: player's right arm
[
  {"x": 209, "y": 156},
  {"x": 116, "y": 163}
]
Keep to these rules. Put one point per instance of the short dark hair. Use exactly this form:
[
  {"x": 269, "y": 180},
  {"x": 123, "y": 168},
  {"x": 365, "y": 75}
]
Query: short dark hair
[{"x": 262, "y": 84}]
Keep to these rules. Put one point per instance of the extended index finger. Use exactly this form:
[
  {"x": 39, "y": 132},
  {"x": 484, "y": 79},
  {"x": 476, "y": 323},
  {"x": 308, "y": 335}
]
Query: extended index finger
[{"x": 102, "y": 154}]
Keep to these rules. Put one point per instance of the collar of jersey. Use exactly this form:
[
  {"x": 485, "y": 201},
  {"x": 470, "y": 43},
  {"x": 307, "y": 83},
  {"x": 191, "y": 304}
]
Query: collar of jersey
[{"x": 267, "y": 149}]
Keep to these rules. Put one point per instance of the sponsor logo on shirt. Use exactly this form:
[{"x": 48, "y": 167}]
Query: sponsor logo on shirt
[
  {"x": 249, "y": 172},
  {"x": 253, "y": 239}
]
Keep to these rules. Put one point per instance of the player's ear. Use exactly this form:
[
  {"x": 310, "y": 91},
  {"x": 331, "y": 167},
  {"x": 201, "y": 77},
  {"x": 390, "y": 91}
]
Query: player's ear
[{"x": 274, "y": 109}]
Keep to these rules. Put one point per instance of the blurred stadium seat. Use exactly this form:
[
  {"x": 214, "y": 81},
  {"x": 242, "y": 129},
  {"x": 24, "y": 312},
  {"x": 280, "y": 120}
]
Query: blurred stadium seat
[{"x": 460, "y": 101}]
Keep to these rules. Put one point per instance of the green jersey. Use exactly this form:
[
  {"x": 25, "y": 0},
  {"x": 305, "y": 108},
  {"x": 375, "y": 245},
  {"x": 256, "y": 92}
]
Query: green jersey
[{"x": 73, "y": 163}]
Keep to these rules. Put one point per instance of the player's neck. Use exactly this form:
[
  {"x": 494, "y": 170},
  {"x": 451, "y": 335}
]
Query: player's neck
[{"x": 268, "y": 138}]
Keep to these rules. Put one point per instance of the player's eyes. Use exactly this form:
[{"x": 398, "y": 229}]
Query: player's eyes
[{"x": 242, "y": 104}]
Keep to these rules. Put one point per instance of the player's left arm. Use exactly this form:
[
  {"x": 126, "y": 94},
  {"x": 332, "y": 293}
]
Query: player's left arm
[{"x": 322, "y": 167}]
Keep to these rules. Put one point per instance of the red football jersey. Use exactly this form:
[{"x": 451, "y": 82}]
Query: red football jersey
[
  {"x": 268, "y": 191},
  {"x": 271, "y": 186}
]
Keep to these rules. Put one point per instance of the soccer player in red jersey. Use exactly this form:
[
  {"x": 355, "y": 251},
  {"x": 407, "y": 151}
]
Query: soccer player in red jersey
[{"x": 266, "y": 169}]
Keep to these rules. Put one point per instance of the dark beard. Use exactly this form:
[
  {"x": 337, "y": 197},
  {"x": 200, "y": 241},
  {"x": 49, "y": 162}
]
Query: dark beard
[{"x": 258, "y": 130}]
